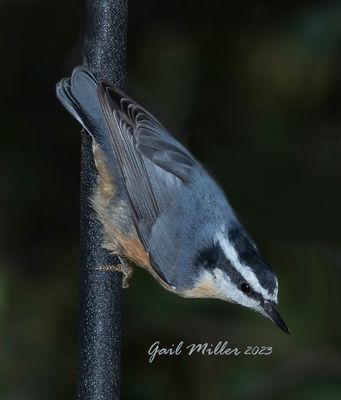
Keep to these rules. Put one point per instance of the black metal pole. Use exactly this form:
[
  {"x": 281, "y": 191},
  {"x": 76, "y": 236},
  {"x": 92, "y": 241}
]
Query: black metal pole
[{"x": 100, "y": 291}]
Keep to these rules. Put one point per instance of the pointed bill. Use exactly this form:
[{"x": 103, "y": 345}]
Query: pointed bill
[{"x": 271, "y": 312}]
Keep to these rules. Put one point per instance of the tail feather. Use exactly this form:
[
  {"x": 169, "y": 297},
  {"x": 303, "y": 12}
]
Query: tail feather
[
  {"x": 78, "y": 95},
  {"x": 64, "y": 95}
]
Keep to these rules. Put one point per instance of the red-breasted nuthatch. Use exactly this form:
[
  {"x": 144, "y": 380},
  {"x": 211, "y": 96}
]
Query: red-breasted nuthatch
[{"x": 158, "y": 206}]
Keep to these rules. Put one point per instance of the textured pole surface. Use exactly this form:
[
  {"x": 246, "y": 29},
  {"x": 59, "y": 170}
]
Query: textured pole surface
[{"x": 100, "y": 291}]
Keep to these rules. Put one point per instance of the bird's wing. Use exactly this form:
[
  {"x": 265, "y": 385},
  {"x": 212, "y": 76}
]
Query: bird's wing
[{"x": 145, "y": 152}]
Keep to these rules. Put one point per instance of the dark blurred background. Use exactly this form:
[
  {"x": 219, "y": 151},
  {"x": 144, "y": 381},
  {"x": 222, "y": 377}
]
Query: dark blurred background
[{"x": 254, "y": 89}]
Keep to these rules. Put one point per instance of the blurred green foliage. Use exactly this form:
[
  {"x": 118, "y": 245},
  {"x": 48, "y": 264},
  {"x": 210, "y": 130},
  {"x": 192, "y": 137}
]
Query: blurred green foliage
[{"x": 254, "y": 89}]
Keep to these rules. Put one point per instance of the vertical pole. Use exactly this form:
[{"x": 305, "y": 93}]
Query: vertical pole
[{"x": 100, "y": 291}]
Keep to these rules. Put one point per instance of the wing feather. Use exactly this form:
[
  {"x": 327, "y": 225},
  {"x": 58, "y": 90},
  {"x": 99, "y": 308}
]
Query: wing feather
[{"x": 136, "y": 136}]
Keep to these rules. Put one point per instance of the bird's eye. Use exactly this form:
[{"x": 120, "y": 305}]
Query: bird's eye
[{"x": 245, "y": 288}]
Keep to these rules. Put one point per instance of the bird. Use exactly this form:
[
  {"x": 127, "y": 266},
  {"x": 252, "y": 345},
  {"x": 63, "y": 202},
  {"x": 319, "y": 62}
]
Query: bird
[{"x": 160, "y": 209}]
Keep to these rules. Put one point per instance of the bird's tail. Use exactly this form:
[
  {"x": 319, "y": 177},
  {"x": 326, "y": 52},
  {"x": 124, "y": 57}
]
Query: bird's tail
[{"x": 78, "y": 95}]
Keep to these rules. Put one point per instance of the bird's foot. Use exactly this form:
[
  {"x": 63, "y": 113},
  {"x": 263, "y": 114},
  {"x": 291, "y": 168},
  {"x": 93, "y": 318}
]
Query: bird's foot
[{"x": 122, "y": 266}]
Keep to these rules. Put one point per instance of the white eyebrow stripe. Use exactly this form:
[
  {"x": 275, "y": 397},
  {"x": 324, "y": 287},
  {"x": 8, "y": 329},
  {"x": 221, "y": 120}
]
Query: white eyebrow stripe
[{"x": 245, "y": 271}]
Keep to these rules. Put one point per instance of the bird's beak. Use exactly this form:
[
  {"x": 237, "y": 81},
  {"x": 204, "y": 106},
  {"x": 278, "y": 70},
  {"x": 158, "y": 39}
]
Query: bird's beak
[{"x": 271, "y": 312}]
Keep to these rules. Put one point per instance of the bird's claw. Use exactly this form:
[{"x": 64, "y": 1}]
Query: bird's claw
[{"x": 122, "y": 266}]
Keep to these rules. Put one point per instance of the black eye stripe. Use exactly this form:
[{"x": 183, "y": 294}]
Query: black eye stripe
[
  {"x": 214, "y": 257},
  {"x": 209, "y": 256},
  {"x": 245, "y": 288}
]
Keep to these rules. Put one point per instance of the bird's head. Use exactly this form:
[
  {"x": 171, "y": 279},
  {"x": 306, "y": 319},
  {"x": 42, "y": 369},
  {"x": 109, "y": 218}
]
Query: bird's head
[{"x": 231, "y": 268}]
